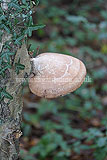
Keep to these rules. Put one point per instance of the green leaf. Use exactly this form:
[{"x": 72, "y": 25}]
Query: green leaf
[
  {"x": 24, "y": 1},
  {"x": 18, "y": 40},
  {"x": 4, "y": 68},
  {"x": 14, "y": 5},
  {"x": 37, "y": 2},
  {"x": 34, "y": 150},
  {"x": 2, "y": 17},
  {"x": 77, "y": 19},
  {"x": 36, "y": 27},
  {"x": 19, "y": 66},
  {"x": 7, "y": 55},
  {"x": 1, "y": 33},
  {"x": 102, "y": 142},
  {"x": 101, "y": 153},
  {"x": 7, "y": 95},
  {"x": 32, "y": 28},
  {"x": 3, "y": 26}
]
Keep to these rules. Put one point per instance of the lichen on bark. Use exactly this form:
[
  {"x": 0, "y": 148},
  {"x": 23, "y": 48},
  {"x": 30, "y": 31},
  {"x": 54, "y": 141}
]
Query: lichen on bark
[
  {"x": 11, "y": 112},
  {"x": 11, "y": 107},
  {"x": 16, "y": 24}
]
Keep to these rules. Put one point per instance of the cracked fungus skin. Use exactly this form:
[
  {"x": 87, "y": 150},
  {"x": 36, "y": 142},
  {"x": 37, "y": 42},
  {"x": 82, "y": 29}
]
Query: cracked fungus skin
[{"x": 56, "y": 75}]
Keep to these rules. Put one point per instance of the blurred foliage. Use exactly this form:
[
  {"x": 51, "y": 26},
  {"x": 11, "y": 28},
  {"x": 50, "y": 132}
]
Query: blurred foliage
[{"x": 73, "y": 126}]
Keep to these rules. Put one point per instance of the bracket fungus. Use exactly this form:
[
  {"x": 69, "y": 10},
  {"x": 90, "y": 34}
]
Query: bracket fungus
[{"x": 56, "y": 75}]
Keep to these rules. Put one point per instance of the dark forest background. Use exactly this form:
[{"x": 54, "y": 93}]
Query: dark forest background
[{"x": 72, "y": 127}]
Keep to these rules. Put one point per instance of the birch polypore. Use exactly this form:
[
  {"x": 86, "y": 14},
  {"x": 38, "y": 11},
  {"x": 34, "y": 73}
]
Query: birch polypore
[{"x": 56, "y": 75}]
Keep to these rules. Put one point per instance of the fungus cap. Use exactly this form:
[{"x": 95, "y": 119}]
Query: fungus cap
[{"x": 56, "y": 75}]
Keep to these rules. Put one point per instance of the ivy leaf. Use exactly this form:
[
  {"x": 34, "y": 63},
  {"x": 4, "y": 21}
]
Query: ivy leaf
[
  {"x": 77, "y": 19},
  {"x": 30, "y": 21},
  {"x": 19, "y": 66},
  {"x": 36, "y": 27},
  {"x": 37, "y": 2},
  {"x": 102, "y": 142},
  {"x": 24, "y": 1},
  {"x": 1, "y": 11},
  {"x": 7, "y": 45},
  {"x": 2, "y": 17},
  {"x": 32, "y": 28},
  {"x": 18, "y": 40},
  {"x": 14, "y": 5},
  {"x": 3, "y": 26},
  {"x": 4, "y": 68},
  {"x": 1, "y": 33},
  {"x": 7, "y": 95},
  {"x": 7, "y": 55}
]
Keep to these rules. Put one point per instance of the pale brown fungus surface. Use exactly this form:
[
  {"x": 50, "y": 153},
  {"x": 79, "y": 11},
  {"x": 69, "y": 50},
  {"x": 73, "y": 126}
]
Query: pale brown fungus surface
[{"x": 56, "y": 75}]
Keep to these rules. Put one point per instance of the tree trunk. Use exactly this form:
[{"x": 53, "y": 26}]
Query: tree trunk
[
  {"x": 11, "y": 112},
  {"x": 11, "y": 99}
]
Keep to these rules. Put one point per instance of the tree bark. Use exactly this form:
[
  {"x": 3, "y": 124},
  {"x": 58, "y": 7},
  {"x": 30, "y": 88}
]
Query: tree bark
[{"x": 11, "y": 110}]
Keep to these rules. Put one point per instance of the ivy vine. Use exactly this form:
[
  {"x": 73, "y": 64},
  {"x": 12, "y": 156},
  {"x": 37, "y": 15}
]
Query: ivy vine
[{"x": 16, "y": 21}]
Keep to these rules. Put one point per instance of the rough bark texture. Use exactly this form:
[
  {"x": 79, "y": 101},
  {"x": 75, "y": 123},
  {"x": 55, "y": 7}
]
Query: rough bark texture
[{"x": 11, "y": 111}]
